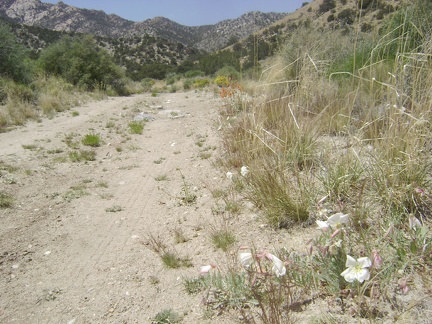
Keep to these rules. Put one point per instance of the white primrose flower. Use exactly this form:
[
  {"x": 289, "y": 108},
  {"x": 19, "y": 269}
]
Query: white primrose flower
[
  {"x": 229, "y": 175},
  {"x": 278, "y": 266},
  {"x": 357, "y": 269},
  {"x": 244, "y": 170},
  {"x": 337, "y": 220},
  {"x": 206, "y": 269},
  {"x": 246, "y": 259}
]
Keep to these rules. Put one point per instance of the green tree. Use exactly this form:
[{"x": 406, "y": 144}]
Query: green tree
[
  {"x": 79, "y": 61},
  {"x": 13, "y": 56}
]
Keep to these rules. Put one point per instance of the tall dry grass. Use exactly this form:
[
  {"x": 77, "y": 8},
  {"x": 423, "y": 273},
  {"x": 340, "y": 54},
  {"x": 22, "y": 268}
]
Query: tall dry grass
[{"x": 342, "y": 124}]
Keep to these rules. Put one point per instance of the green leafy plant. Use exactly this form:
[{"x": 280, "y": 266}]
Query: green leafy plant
[
  {"x": 75, "y": 192},
  {"x": 114, "y": 209},
  {"x": 136, "y": 127},
  {"x": 162, "y": 177},
  {"x": 223, "y": 239},
  {"x": 93, "y": 140},
  {"x": 166, "y": 316},
  {"x": 80, "y": 62},
  {"x": 194, "y": 285},
  {"x": 82, "y": 155},
  {"x": 6, "y": 200},
  {"x": 173, "y": 261}
]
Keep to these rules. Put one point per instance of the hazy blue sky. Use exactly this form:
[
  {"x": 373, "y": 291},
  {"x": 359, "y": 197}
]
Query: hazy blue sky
[{"x": 185, "y": 12}]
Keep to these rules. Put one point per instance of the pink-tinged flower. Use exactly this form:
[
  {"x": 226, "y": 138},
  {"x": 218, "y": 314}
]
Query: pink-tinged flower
[
  {"x": 420, "y": 191},
  {"x": 414, "y": 223},
  {"x": 335, "y": 233},
  {"x": 403, "y": 286},
  {"x": 246, "y": 259},
  {"x": 278, "y": 266},
  {"x": 357, "y": 269},
  {"x": 206, "y": 269},
  {"x": 376, "y": 259},
  {"x": 337, "y": 220}
]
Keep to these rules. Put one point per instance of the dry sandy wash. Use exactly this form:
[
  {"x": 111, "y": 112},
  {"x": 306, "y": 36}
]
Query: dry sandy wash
[{"x": 74, "y": 247}]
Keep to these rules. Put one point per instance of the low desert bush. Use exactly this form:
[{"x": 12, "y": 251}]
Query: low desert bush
[
  {"x": 93, "y": 140},
  {"x": 6, "y": 200},
  {"x": 136, "y": 127}
]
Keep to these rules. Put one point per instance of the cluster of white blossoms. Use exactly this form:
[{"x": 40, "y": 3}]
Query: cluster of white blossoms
[{"x": 356, "y": 269}]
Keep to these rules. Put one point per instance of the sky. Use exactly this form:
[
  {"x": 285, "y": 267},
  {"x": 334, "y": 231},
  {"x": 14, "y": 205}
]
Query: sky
[{"x": 185, "y": 12}]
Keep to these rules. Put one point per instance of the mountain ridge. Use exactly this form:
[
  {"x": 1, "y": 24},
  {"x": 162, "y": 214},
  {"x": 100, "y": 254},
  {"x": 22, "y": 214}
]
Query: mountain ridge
[{"x": 63, "y": 17}]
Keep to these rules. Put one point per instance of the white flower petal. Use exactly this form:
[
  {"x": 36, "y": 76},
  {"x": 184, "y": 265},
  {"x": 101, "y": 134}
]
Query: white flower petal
[
  {"x": 244, "y": 170},
  {"x": 278, "y": 266},
  {"x": 349, "y": 275},
  {"x": 350, "y": 262},
  {"x": 337, "y": 220},
  {"x": 246, "y": 259},
  {"x": 344, "y": 219},
  {"x": 363, "y": 275},
  {"x": 229, "y": 175},
  {"x": 322, "y": 225},
  {"x": 365, "y": 262},
  {"x": 205, "y": 269}
]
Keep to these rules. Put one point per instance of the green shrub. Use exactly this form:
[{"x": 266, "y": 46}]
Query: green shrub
[
  {"x": 223, "y": 239},
  {"x": 16, "y": 92},
  {"x": 91, "y": 140},
  {"x": 136, "y": 127},
  {"x": 82, "y": 155},
  {"x": 13, "y": 56},
  {"x": 187, "y": 84},
  {"x": 6, "y": 200},
  {"x": 201, "y": 83},
  {"x": 172, "y": 261},
  {"x": 326, "y": 5},
  {"x": 147, "y": 84},
  {"x": 194, "y": 73},
  {"x": 347, "y": 16},
  {"x": 80, "y": 62},
  {"x": 221, "y": 81},
  {"x": 167, "y": 316},
  {"x": 229, "y": 73}
]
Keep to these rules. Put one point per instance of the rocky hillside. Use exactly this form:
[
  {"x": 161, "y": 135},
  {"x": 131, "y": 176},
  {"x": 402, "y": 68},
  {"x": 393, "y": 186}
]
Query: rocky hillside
[
  {"x": 62, "y": 17},
  {"x": 337, "y": 15}
]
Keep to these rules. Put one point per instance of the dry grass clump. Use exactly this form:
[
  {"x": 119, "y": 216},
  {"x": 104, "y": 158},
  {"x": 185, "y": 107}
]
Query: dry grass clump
[{"x": 339, "y": 134}]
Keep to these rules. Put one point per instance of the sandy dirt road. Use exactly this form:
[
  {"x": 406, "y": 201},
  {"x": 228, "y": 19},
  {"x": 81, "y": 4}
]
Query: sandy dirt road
[{"x": 76, "y": 247}]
